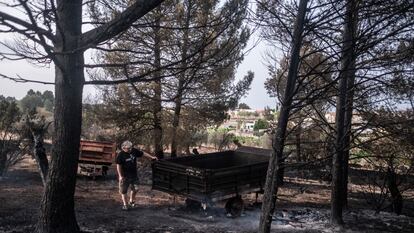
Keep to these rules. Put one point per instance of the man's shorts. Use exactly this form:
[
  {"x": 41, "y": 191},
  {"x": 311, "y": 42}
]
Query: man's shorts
[{"x": 128, "y": 182}]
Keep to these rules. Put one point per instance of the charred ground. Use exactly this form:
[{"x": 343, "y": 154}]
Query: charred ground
[{"x": 303, "y": 206}]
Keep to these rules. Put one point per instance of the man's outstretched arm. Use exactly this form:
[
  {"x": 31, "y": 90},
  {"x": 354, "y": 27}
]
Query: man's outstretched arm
[{"x": 149, "y": 156}]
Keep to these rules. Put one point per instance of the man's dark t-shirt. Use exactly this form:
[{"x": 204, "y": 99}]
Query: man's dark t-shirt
[{"x": 128, "y": 162}]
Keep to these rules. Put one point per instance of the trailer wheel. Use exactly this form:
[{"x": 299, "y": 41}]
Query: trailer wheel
[{"x": 234, "y": 206}]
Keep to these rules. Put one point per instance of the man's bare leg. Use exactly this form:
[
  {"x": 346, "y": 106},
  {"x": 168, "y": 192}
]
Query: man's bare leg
[
  {"x": 132, "y": 196},
  {"x": 124, "y": 198}
]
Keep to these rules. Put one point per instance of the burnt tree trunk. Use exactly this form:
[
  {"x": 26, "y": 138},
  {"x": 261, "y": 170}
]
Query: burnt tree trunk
[
  {"x": 350, "y": 74},
  {"x": 176, "y": 121},
  {"x": 298, "y": 134},
  {"x": 157, "y": 111},
  {"x": 339, "y": 162},
  {"x": 338, "y": 157},
  {"x": 3, "y": 158},
  {"x": 57, "y": 213},
  {"x": 396, "y": 197},
  {"x": 271, "y": 185},
  {"x": 40, "y": 152},
  {"x": 281, "y": 170},
  {"x": 158, "y": 142},
  {"x": 181, "y": 82}
]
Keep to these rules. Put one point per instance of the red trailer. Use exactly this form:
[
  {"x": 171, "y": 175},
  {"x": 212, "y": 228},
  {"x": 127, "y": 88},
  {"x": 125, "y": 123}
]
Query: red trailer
[{"x": 95, "y": 158}]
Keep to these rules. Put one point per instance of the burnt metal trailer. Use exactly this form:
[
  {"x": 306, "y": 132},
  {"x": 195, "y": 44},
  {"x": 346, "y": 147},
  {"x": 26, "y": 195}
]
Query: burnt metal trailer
[
  {"x": 207, "y": 178},
  {"x": 95, "y": 157}
]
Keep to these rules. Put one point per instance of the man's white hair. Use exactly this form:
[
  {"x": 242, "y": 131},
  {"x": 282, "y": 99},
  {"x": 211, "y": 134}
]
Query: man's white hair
[{"x": 126, "y": 144}]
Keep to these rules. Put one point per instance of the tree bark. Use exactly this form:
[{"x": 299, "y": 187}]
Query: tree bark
[
  {"x": 158, "y": 142},
  {"x": 352, "y": 23},
  {"x": 178, "y": 100},
  {"x": 176, "y": 123},
  {"x": 298, "y": 143},
  {"x": 396, "y": 197},
  {"x": 157, "y": 112},
  {"x": 57, "y": 213},
  {"x": 340, "y": 158},
  {"x": 3, "y": 158},
  {"x": 271, "y": 185},
  {"x": 40, "y": 152},
  {"x": 281, "y": 170}
]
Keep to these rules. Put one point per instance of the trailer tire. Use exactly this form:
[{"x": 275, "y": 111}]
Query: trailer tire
[{"x": 234, "y": 206}]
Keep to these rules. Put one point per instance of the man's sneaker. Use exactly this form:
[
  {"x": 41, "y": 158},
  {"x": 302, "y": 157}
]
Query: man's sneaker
[
  {"x": 132, "y": 204},
  {"x": 125, "y": 207}
]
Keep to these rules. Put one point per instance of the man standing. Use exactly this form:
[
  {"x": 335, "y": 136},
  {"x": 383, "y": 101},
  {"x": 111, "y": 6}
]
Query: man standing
[{"x": 126, "y": 165}]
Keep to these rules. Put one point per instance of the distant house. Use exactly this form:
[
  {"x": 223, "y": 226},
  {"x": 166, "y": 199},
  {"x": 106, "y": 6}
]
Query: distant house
[
  {"x": 248, "y": 126},
  {"x": 242, "y": 121}
]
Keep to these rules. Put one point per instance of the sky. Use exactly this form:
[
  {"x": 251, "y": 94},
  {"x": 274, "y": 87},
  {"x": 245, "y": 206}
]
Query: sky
[{"x": 257, "y": 97}]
